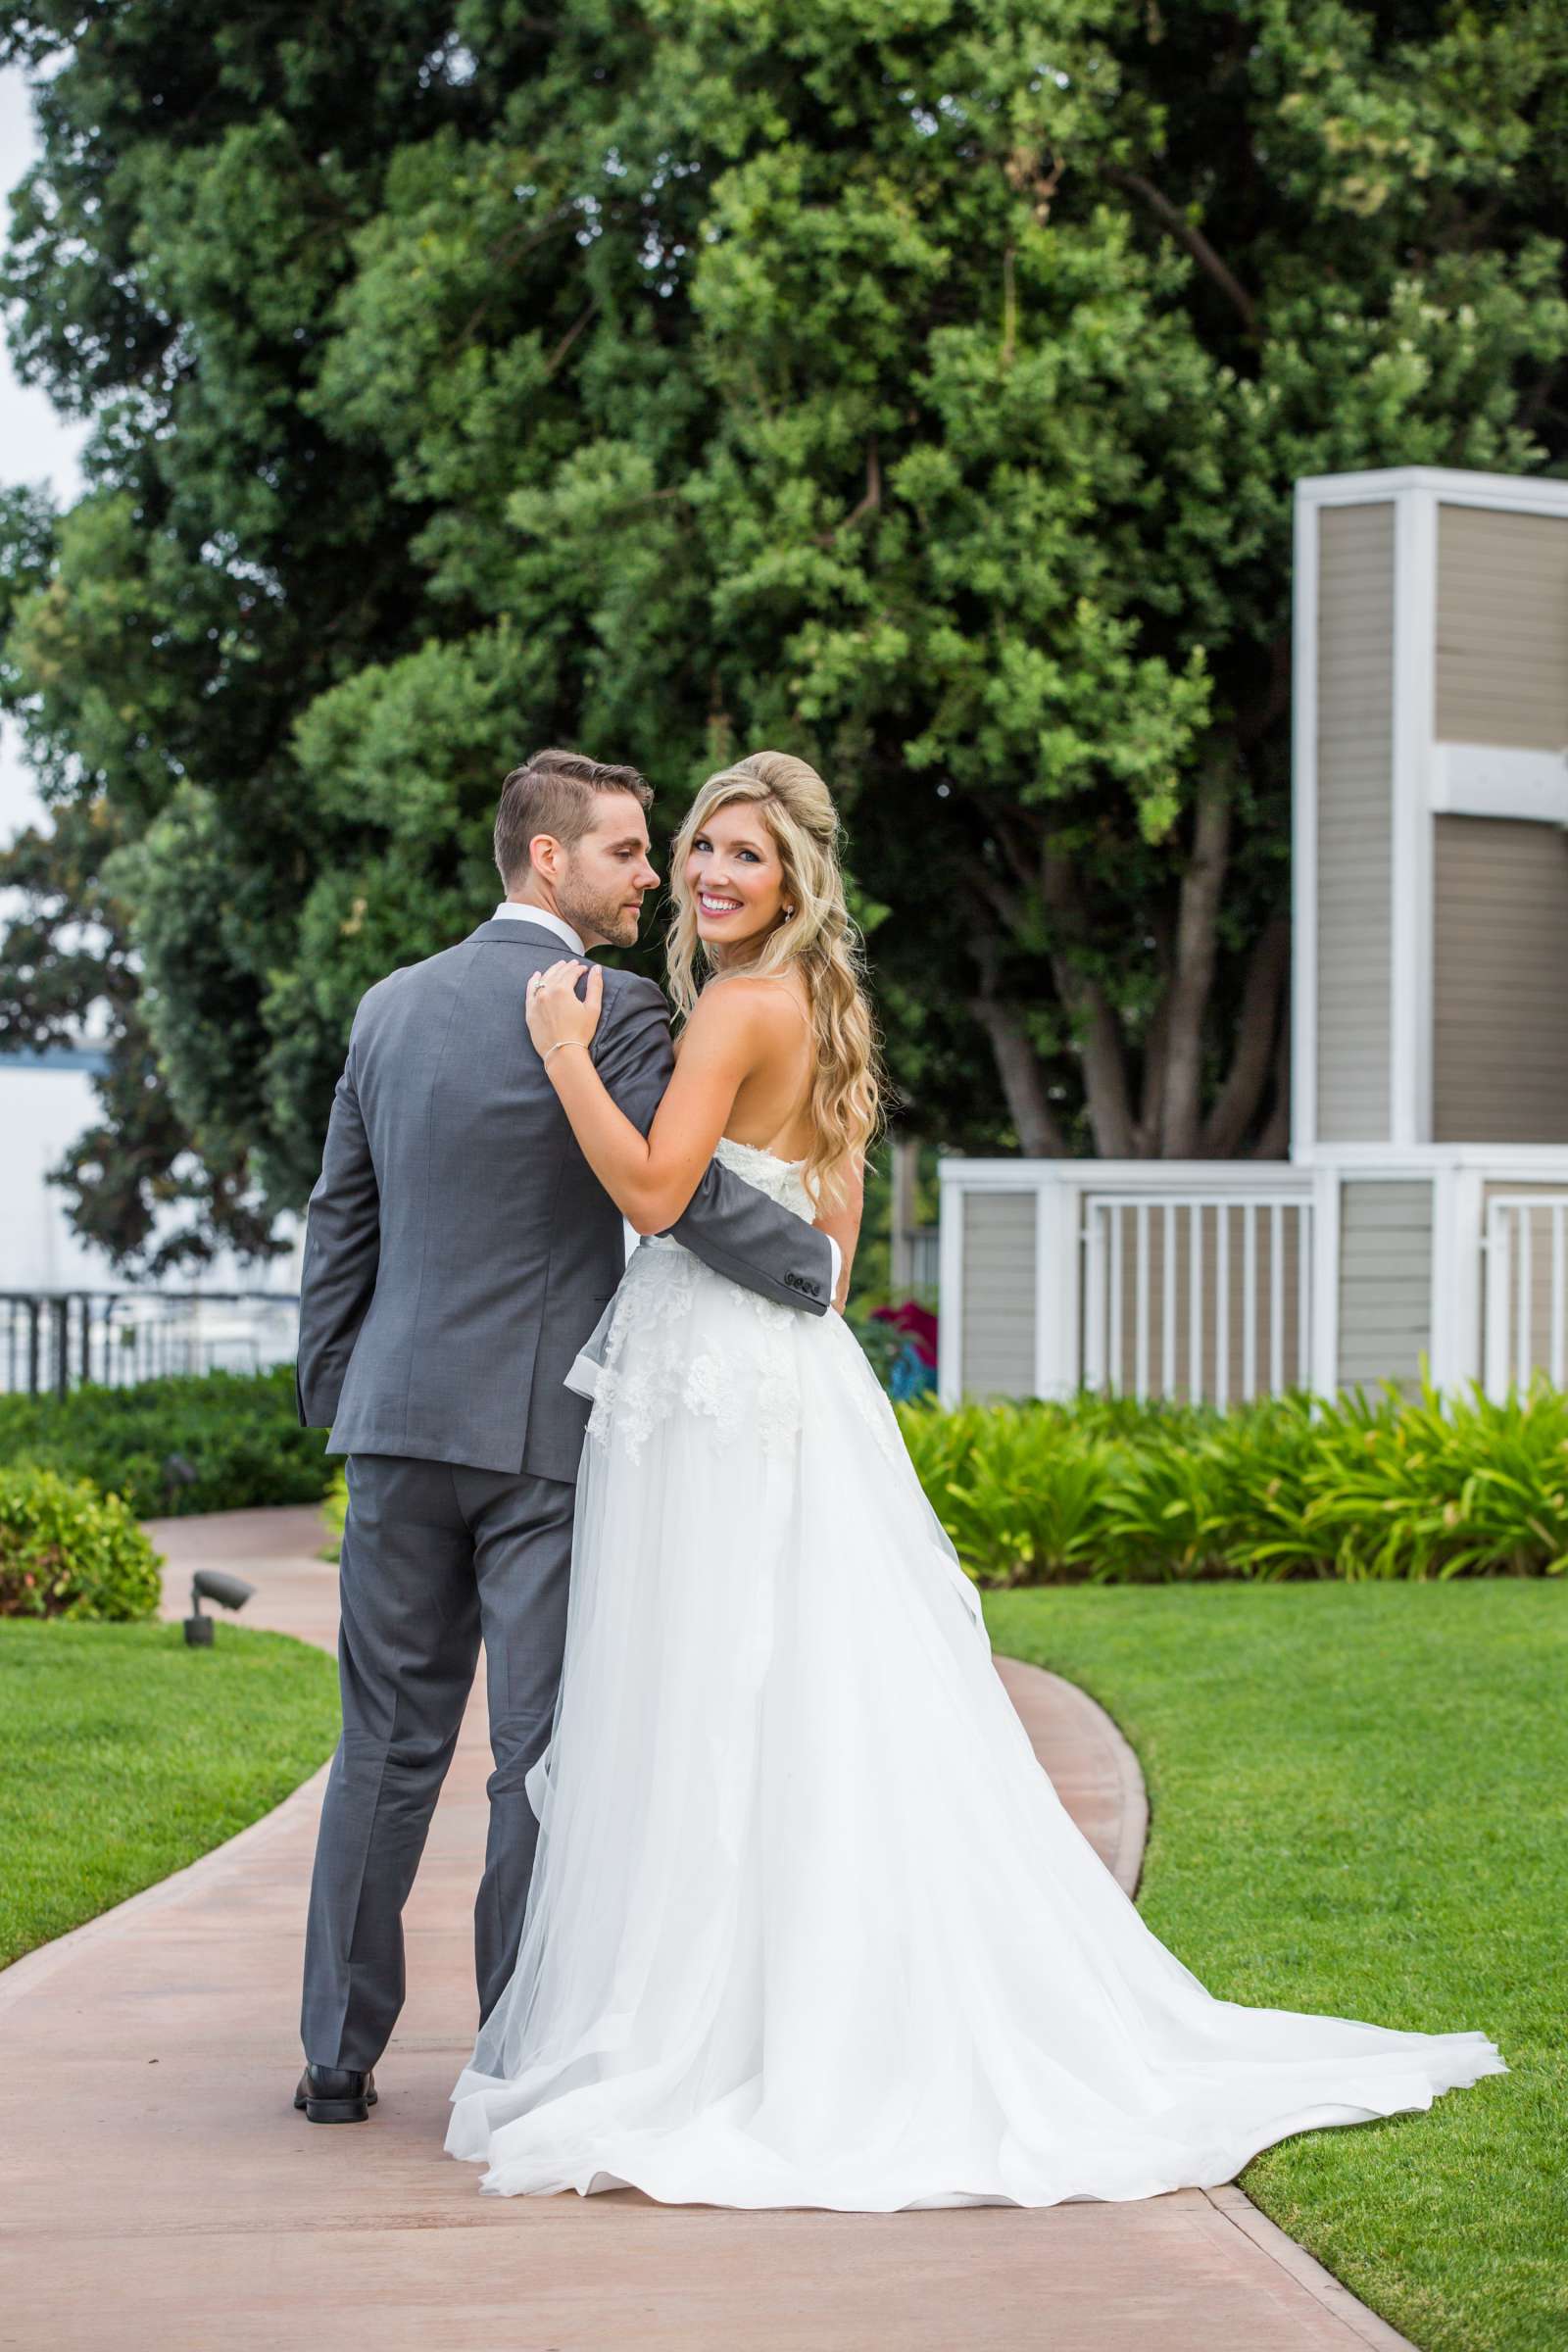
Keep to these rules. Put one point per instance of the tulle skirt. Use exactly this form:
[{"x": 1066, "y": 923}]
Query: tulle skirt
[{"x": 809, "y": 1925}]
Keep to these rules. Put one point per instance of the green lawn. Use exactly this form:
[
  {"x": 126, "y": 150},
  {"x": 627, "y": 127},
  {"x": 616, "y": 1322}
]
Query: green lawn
[
  {"x": 124, "y": 1755},
  {"x": 1359, "y": 1799}
]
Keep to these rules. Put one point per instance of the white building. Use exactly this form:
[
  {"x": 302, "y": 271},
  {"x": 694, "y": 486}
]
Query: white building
[{"x": 63, "y": 1302}]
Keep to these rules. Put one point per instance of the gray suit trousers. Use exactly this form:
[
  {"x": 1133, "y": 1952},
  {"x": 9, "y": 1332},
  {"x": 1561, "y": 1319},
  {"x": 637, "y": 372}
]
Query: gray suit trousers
[{"x": 434, "y": 1556}]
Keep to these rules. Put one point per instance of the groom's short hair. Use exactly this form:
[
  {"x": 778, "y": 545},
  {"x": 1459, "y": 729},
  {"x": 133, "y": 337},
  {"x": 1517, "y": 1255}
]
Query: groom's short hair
[{"x": 553, "y": 792}]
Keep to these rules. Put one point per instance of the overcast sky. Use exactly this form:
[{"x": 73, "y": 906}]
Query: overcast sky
[{"x": 35, "y": 445}]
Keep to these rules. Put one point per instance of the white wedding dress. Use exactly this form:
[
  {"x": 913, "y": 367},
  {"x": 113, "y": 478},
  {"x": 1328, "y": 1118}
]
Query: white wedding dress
[{"x": 809, "y": 1923}]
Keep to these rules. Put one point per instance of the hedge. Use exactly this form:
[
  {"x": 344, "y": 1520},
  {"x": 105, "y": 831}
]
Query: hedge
[
  {"x": 1098, "y": 1488},
  {"x": 204, "y": 1441},
  {"x": 1109, "y": 1490}
]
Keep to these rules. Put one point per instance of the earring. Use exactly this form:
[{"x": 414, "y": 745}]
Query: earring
[{"x": 789, "y": 910}]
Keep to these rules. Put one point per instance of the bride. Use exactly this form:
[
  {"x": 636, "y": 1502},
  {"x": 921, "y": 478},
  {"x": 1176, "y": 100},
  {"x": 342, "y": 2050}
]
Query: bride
[{"x": 809, "y": 1925}]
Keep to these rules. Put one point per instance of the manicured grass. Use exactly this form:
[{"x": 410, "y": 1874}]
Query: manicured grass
[
  {"x": 1359, "y": 1799},
  {"x": 124, "y": 1755}
]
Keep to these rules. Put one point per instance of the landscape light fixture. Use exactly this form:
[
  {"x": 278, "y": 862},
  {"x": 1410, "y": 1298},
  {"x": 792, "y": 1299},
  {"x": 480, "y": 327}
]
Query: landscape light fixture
[
  {"x": 211, "y": 1584},
  {"x": 177, "y": 1472}
]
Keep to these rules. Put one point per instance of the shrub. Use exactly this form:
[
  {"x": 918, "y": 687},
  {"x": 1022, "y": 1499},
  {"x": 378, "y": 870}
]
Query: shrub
[
  {"x": 1436, "y": 1488},
  {"x": 206, "y": 1441},
  {"x": 65, "y": 1550},
  {"x": 1109, "y": 1490},
  {"x": 1020, "y": 1508}
]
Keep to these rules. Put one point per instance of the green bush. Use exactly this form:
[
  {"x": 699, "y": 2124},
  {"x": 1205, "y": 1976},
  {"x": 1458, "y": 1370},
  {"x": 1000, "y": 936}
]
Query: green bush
[
  {"x": 206, "y": 1441},
  {"x": 1024, "y": 1512},
  {"x": 1109, "y": 1491},
  {"x": 66, "y": 1550}
]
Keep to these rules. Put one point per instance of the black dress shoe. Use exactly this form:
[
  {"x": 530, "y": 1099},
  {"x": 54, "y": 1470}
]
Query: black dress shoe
[{"x": 336, "y": 2094}]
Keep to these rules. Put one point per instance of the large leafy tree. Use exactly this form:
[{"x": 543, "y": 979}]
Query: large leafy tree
[
  {"x": 921, "y": 386},
  {"x": 170, "y": 265}
]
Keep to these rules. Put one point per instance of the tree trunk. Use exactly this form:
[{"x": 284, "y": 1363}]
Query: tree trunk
[
  {"x": 1100, "y": 1043},
  {"x": 1169, "y": 1123},
  {"x": 1275, "y": 1140},
  {"x": 1196, "y": 923},
  {"x": 1018, "y": 1067},
  {"x": 1236, "y": 1104},
  {"x": 1152, "y": 1095},
  {"x": 1105, "y": 1074}
]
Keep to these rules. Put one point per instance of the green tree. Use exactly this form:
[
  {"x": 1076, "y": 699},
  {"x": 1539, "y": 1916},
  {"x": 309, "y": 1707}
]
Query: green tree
[
  {"x": 921, "y": 387},
  {"x": 1019, "y": 325}
]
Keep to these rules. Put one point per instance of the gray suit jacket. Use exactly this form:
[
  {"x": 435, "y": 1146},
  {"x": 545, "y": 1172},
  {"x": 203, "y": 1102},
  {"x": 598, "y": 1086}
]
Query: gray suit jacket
[{"x": 458, "y": 1249}]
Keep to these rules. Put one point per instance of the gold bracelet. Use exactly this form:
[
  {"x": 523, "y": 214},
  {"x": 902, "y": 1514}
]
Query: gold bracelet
[{"x": 564, "y": 1041}]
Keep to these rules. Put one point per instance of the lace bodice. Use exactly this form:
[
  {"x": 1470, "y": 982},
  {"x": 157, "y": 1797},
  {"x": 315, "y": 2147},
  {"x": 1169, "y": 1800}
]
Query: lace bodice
[
  {"x": 783, "y": 1180},
  {"x": 685, "y": 1340}
]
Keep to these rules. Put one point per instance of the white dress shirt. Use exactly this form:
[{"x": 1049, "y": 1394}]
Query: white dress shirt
[{"x": 515, "y": 911}]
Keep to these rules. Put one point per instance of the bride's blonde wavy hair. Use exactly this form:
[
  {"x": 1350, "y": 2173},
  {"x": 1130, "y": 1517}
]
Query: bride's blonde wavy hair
[{"x": 819, "y": 937}]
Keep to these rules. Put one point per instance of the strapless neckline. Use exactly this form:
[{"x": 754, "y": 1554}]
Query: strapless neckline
[
  {"x": 761, "y": 1151},
  {"x": 781, "y": 1180}
]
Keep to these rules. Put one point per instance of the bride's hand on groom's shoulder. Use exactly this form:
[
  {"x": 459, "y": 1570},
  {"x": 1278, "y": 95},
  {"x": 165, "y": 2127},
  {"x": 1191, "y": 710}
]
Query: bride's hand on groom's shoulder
[{"x": 556, "y": 1014}]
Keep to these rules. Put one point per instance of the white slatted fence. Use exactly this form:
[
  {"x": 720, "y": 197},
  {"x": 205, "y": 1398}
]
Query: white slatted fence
[
  {"x": 1526, "y": 1289},
  {"x": 1197, "y": 1294}
]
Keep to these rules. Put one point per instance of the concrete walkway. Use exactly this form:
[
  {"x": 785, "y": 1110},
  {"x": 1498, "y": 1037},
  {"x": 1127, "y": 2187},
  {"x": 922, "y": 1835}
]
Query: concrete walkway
[{"x": 160, "y": 2190}]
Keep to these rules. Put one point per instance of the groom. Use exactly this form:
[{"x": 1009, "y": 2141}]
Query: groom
[{"x": 457, "y": 1253}]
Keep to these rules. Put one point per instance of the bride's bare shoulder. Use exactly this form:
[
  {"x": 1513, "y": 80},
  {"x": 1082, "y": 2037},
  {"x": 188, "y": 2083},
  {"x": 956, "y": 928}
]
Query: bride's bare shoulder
[
  {"x": 737, "y": 1008},
  {"x": 773, "y": 997}
]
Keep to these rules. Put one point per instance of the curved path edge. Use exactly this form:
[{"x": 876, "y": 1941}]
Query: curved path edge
[
  {"x": 27, "y": 1974},
  {"x": 169, "y": 2023}
]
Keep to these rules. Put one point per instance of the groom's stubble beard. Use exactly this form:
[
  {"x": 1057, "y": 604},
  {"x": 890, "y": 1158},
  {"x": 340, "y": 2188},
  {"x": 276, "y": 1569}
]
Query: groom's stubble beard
[{"x": 600, "y": 918}]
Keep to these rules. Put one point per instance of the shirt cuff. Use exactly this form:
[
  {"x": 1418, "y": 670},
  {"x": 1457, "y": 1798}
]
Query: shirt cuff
[{"x": 838, "y": 1266}]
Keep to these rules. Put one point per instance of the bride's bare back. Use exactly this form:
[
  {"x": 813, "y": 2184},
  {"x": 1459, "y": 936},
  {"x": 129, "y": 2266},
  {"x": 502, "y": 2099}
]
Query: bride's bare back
[{"x": 771, "y": 1111}]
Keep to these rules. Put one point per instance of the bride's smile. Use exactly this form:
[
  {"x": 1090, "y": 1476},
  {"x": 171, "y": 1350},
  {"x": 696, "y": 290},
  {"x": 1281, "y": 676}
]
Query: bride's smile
[{"x": 735, "y": 878}]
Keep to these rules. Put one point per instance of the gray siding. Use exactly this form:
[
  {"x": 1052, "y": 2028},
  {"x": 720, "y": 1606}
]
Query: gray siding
[
  {"x": 1385, "y": 1282},
  {"x": 1502, "y": 628},
  {"x": 998, "y": 1334},
  {"x": 1500, "y": 980},
  {"x": 1354, "y": 820}
]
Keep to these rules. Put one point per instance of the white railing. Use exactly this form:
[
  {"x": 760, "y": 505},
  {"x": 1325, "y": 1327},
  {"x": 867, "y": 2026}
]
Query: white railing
[
  {"x": 1526, "y": 1288},
  {"x": 54, "y": 1340},
  {"x": 1202, "y": 1293},
  {"x": 1227, "y": 1280},
  {"x": 1156, "y": 1278}
]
